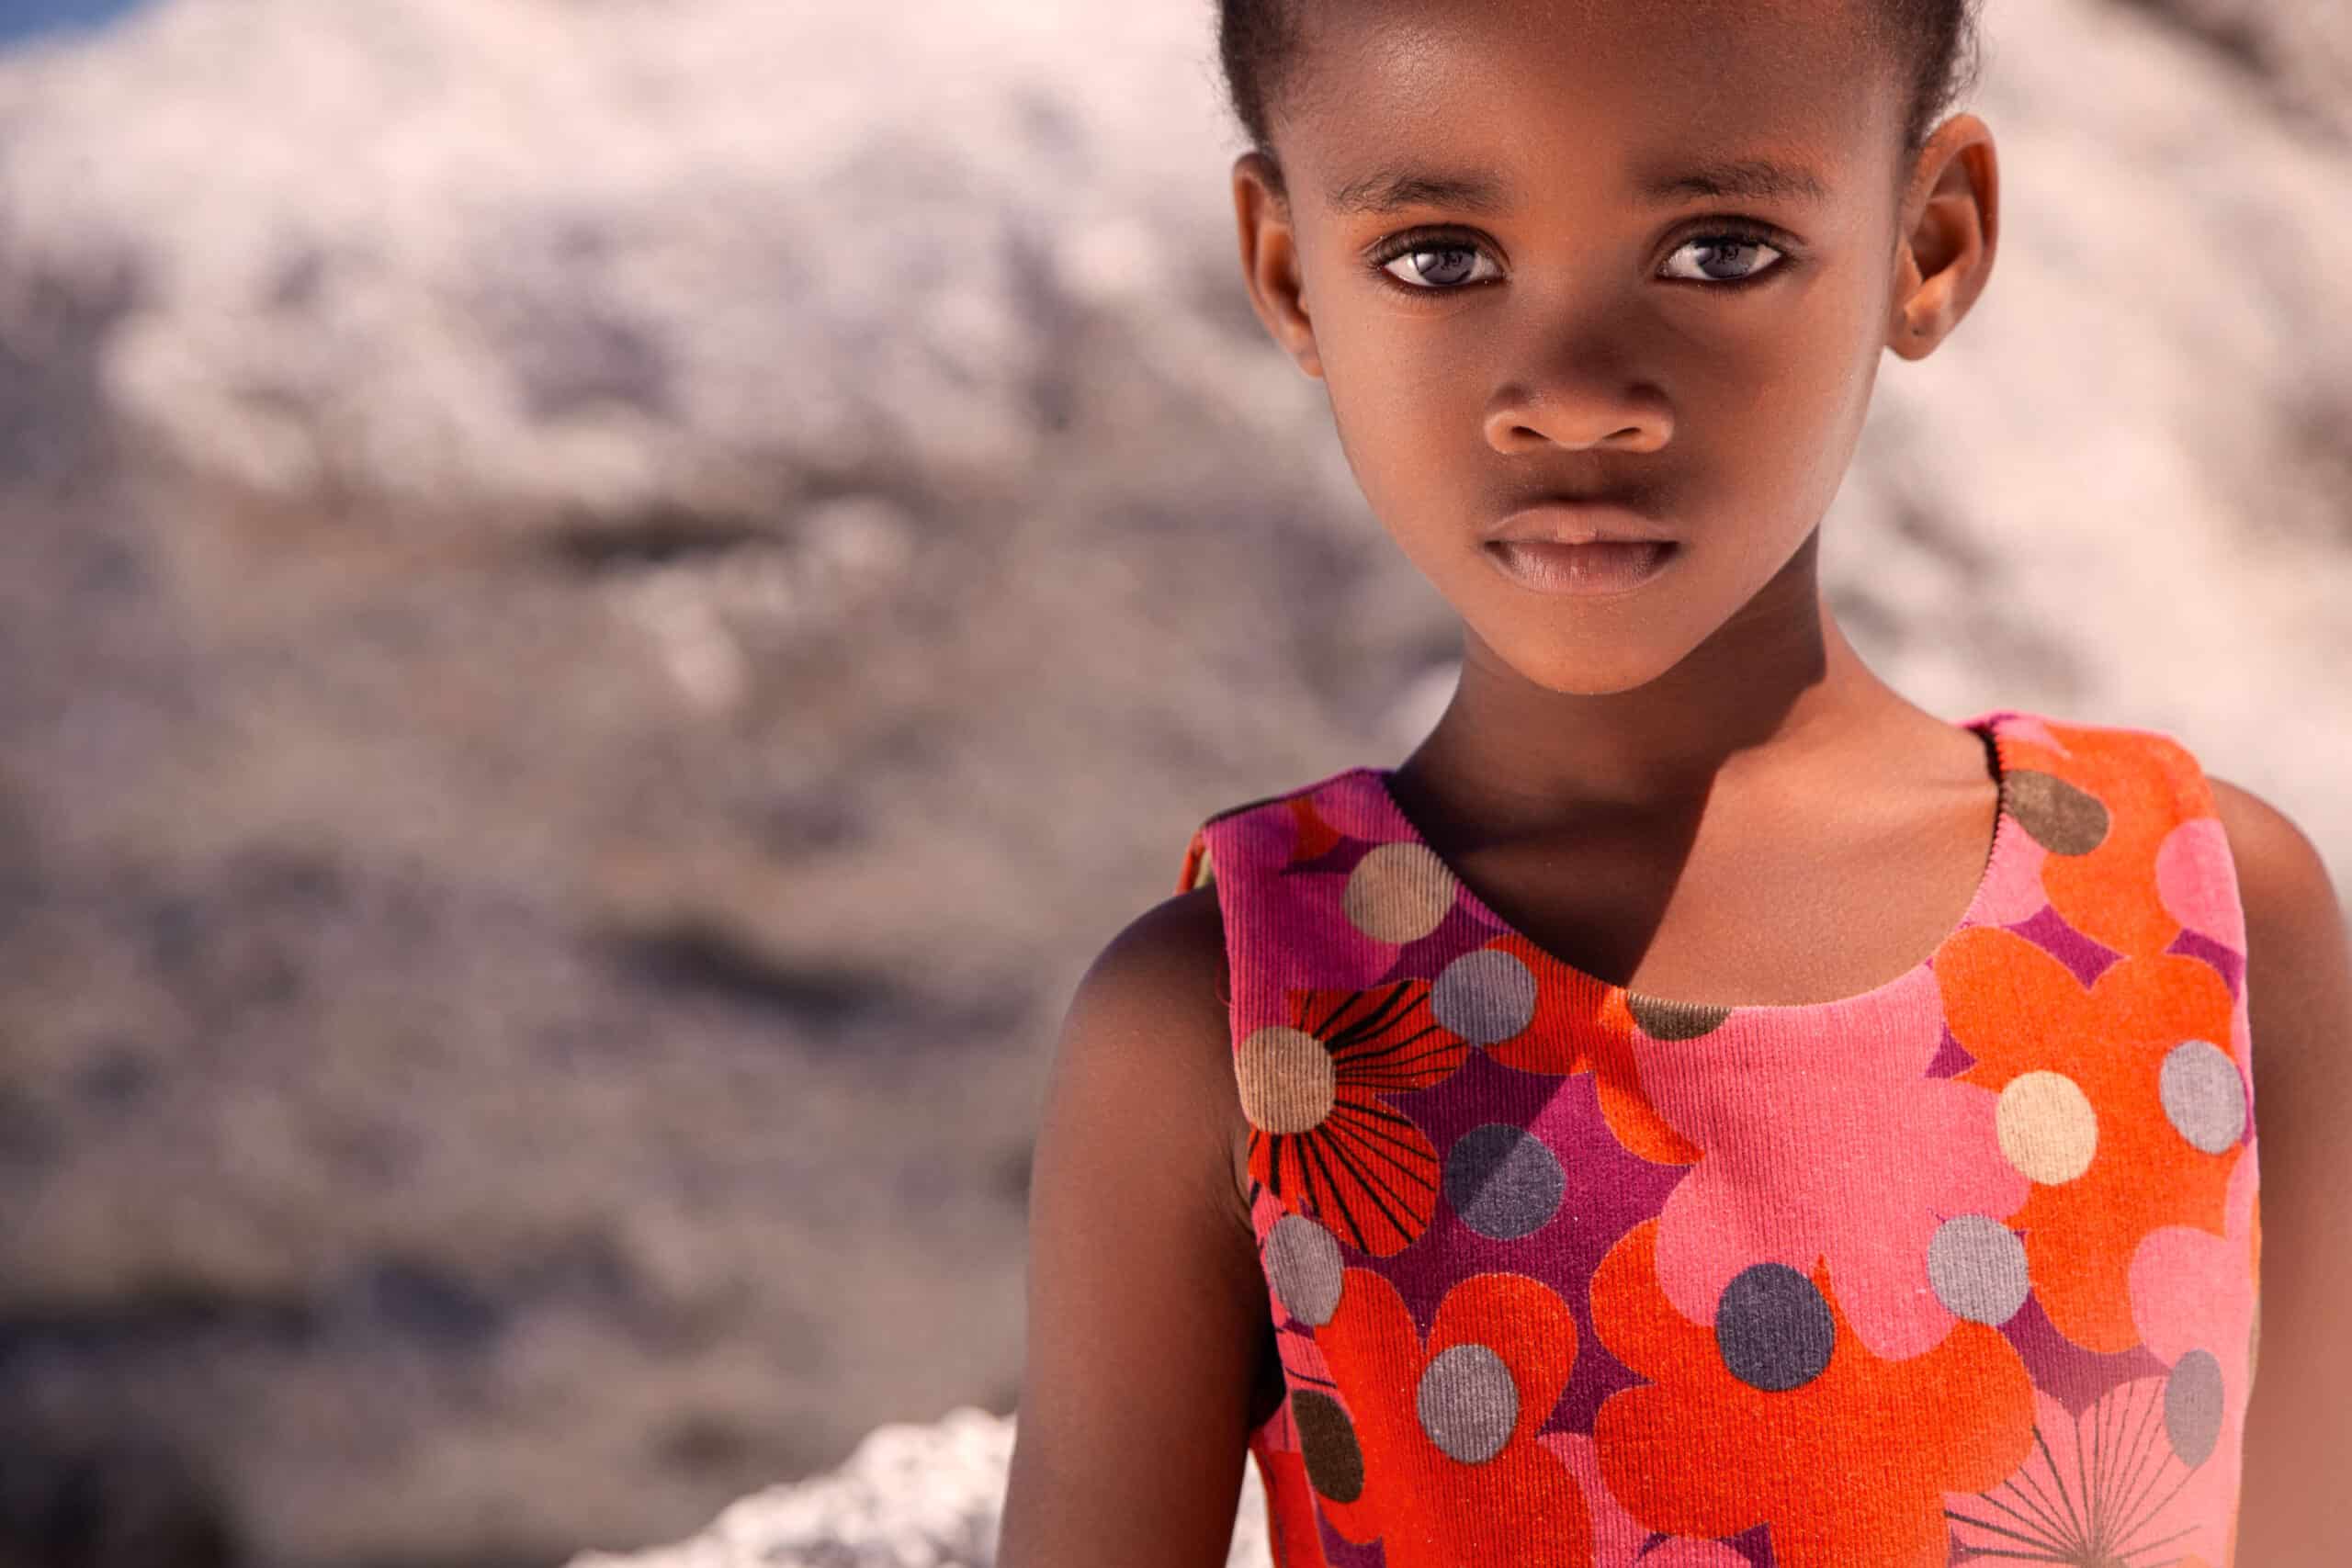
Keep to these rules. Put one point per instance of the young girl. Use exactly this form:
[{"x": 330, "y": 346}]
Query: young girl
[{"x": 1699, "y": 1107}]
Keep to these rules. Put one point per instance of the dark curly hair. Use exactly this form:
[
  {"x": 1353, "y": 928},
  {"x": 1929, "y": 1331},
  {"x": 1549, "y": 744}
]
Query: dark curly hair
[{"x": 1936, "y": 42}]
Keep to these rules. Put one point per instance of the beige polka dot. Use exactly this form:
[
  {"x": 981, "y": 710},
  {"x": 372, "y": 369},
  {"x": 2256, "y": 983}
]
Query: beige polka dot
[
  {"x": 1286, "y": 1079},
  {"x": 2047, "y": 1127},
  {"x": 1399, "y": 893}
]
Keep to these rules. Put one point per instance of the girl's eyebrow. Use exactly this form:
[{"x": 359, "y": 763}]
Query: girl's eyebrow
[
  {"x": 1391, "y": 190},
  {"x": 1749, "y": 178}
]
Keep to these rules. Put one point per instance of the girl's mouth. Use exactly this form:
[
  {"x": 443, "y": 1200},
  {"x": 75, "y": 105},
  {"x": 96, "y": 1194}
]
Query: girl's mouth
[{"x": 1600, "y": 569}]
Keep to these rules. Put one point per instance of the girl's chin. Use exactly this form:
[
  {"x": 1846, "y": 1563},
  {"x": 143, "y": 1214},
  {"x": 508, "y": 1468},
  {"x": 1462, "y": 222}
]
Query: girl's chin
[{"x": 1572, "y": 675}]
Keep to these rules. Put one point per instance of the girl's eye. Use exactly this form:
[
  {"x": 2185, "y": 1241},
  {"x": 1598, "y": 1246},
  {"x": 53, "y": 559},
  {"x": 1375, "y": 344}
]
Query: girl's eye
[
  {"x": 1438, "y": 265},
  {"x": 1441, "y": 264},
  {"x": 1726, "y": 249}
]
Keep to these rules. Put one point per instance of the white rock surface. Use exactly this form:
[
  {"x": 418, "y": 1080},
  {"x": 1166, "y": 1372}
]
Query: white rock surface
[{"x": 911, "y": 1497}]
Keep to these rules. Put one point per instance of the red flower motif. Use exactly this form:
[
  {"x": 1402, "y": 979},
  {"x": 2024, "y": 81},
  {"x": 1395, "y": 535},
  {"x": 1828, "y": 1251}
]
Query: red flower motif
[
  {"x": 1323, "y": 1140},
  {"x": 1438, "y": 1457}
]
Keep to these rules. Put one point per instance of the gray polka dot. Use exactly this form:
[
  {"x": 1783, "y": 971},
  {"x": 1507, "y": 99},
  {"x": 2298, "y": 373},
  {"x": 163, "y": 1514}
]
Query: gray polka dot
[
  {"x": 1326, "y": 1441},
  {"x": 2193, "y": 1407},
  {"x": 1303, "y": 1261},
  {"x": 1502, "y": 1180},
  {"x": 2204, "y": 1097},
  {"x": 1467, "y": 1403},
  {"x": 1773, "y": 1328},
  {"x": 1485, "y": 996},
  {"x": 1977, "y": 1267}
]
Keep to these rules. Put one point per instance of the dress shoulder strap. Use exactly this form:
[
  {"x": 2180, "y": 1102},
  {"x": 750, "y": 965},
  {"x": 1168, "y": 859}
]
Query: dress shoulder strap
[
  {"x": 2138, "y": 859},
  {"x": 1276, "y": 864}
]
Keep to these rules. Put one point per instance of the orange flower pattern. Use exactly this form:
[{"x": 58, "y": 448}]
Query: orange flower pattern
[
  {"x": 2117, "y": 1100},
  {"x": 1777, "y": 1414},
  {"x": 1562, "y": 1273}
]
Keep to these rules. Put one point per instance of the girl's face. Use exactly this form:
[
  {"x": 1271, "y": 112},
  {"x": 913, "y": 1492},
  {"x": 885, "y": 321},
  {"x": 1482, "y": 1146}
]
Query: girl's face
[{"x": 1646, "y": 250}]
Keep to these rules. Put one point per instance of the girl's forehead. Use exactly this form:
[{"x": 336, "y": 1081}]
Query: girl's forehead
[
  {"x": 1671, "y": 75},
  {"x": 1619, "y": 29},
  {"x": 1795, "y": 59}
]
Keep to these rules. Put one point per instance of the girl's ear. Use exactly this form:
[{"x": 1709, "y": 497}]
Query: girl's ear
[
  {"x": 1270, "y": 260},
  {"x": 1953, "y": 216}
]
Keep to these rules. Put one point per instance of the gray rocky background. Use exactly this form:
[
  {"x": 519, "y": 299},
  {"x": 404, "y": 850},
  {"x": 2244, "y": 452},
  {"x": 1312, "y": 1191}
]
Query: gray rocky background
[{"x": 602, "y": 601}]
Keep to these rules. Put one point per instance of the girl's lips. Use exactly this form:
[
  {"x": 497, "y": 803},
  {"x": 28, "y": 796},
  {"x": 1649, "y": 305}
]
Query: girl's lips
[{"x": 1591, "y": 571}]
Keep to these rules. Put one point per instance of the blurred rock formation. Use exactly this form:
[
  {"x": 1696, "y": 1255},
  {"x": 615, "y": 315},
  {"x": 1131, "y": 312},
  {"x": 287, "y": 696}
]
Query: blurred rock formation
[
  {"x": 605, "y": 601},
  {"x": 911, "y": 1497}
]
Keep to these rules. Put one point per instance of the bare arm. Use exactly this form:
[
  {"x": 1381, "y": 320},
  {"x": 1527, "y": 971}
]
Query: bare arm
[
  {"x": 2296, "y": 1507},
  {"x": 1148, "y": 1339}
]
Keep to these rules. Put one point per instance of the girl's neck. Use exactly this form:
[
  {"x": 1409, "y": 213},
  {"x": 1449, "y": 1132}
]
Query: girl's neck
[{"x": 1775, "y": 701}]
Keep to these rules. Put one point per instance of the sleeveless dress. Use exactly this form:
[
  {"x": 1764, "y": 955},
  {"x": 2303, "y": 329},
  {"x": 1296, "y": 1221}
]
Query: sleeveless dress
[{"x": 1961, "y": 1268}]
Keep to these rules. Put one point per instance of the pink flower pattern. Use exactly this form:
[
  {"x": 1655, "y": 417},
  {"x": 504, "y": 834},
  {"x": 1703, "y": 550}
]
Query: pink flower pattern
[{"x": 1804, "y": 1161}]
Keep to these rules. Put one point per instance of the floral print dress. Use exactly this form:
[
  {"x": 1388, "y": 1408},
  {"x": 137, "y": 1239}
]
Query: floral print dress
[{"x": 1959, "y": 1269}]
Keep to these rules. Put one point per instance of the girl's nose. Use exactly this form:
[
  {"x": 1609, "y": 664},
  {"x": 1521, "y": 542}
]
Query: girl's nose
[{"x": 1589, "y": 413}]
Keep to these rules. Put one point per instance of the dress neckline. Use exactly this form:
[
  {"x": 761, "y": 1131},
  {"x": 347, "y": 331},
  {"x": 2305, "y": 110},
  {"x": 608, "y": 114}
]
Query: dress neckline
[{"x": 2007, "y": 832}]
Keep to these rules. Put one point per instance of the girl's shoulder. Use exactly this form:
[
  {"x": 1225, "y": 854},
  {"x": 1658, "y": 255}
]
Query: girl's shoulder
[
  {"x": 1146, "y": 1039},
  {"x": 2298, "y": 974},
  {"x": 2297, "y": 990}
]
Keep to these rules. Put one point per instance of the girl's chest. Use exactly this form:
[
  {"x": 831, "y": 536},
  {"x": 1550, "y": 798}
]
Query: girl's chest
[
  {"x": 1770, "y": 917},
  {"x": 1961, "y": 1263}
]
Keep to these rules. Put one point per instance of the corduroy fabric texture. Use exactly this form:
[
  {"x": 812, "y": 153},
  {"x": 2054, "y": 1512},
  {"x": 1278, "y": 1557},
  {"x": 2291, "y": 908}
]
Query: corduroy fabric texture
[{"x": 1961, "y": 1268}]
